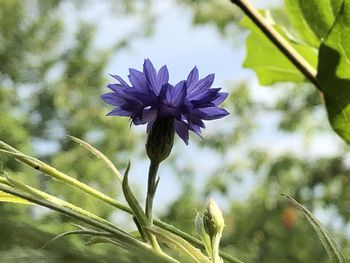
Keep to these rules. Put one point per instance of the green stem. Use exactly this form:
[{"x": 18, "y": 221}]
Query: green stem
[
  {"x": 196, "y": 242},
  {"x": 153, "y": 179},
  {"x": 124, "y": 239},
  {"x": 54, "y": 200},
  {"x": 215, "y": 246},
  {"x": 270, "y": 32},
  {"x": 49, "y": 170},
  {"x": 41, "y": 166}
]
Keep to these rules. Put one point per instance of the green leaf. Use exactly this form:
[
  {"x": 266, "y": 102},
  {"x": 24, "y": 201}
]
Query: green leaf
[
  {"x": 312, "y": 19},
  {"x": 8, "y": 198},
  {"x": 99, "y": 154},
  {"x": 327, "y": 240},
  {"x": 92, "y": 233},
  {"x": 132, "y": 201},
  {"x": 56, "y": 174},
  {"x": 268, "y": 62},
  {"x": 334, "y": 73},
  {"x": 140, "y": 216},
  {"x": 202, "y": 234},
  {"x": 120, "y": 238},
  {"x": 53, "y": 199},
  {"x": 181, "y": 247}
]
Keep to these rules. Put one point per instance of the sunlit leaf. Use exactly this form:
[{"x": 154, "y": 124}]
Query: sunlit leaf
[
  {"x": 268, "y": 62},
  {"x": 312, "y": 19},
  {"x": 334, "y": 73}
]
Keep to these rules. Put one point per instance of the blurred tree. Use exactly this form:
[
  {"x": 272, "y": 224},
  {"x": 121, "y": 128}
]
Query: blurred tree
[{"x": 50, "y": 86}]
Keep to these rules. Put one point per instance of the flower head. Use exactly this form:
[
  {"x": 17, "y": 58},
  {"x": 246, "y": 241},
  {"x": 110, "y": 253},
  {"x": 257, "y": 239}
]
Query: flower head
[{"x": 151, "y": 96}]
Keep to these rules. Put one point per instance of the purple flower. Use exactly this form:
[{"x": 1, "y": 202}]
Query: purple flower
[{"x": 150, "y": 96}]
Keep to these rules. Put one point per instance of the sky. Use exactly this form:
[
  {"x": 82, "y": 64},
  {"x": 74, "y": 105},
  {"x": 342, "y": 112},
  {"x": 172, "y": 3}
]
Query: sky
[{"x": 181, "y": 46}]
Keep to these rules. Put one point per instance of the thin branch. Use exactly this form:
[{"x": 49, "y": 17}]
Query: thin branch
[{"x": 270, "y": 32}]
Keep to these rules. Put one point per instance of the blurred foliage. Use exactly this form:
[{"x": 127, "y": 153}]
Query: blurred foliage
[
  {"x": 221, "y": 13},
  {"x": 50, "y": 87}
]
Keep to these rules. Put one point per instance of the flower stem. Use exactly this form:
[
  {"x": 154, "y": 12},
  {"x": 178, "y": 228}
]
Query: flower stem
[
  {"x": 302, "y": 65},
  {"x": 51, "y": 171},
  {"x": 215, "y": 246},
  {"x": 153, "y": 180},
  {"x": 121, "y": 238}
]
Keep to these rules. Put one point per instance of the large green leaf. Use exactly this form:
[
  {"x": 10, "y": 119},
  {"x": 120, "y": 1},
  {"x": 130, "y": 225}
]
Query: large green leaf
[
  {"x": 312, "y": 19},
  {"x": 269, "y": 63},
  {"x": 334, "y": 72}
]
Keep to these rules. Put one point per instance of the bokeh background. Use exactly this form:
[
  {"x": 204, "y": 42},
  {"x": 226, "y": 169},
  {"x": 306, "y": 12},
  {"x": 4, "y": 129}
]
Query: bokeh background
[{"x": 55, "y": 57}]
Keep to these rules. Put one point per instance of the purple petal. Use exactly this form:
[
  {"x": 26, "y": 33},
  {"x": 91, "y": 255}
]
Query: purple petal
[
  {"x": 193, "y": 76},
  {"x": 138, "y": 79},
  {"x": 121, "y": 81},
  {"x": 119, "y": 112},
  {"x": 113, "y": 99},
  {"x": 115, "y": 87},
  {"x": 163, "y": 76},
  {"x": 220, "y": 99},
  {"x": 171, "y": 100},
  {"x": 175, "y": 96},
  {"x": 151, "y": 76},
  {"x": 128, "y": 96},
  {"x": 196, "y": 129},
  {"x": 200, "y": 87},
  {"x": 212, "y": 113},
  {"x": 205, "y": 99},
  {"x": 181, "y": 128},
  {"x": 148, "y": 115}
]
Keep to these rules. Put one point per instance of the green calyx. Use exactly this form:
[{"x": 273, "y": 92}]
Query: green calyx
[{"x": 160, "y": 139}]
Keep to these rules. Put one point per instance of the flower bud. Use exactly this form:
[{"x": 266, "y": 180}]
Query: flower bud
[
  {"x": 160, "y": 139},
  {"x": 213, "y": 220}
]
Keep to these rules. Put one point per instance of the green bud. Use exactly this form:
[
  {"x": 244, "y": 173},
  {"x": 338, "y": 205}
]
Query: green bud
[
  {"x": 160, "y": 139},
  {"x": 213, "y": 220}
]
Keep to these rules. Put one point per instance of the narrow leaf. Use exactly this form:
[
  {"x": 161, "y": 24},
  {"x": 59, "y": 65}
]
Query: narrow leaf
[
  {"x": 99, "y": 154},
  {"x": 327, "y": 240},
  {"x": 58, "y": 175},
  {"x": 55, "y": 200},
  {"x": 202, "y": 234},
  {"x": 139, "y": 215},
  {"x": 268, "y": 62},
  {"x": 123, "y": 239},
  {"x": 77, "y": 232},
  {"x": 8, "y": 198}
]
